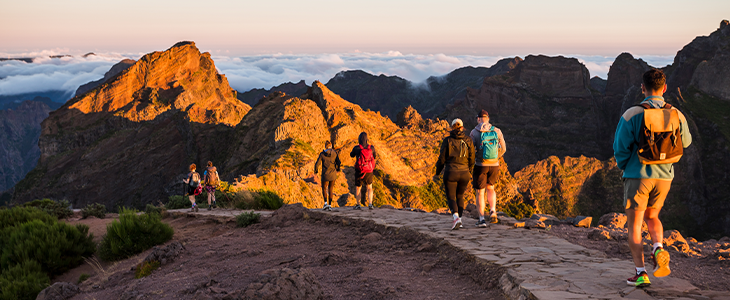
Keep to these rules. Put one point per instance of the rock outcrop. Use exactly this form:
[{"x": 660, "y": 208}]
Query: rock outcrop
[
  {"x": 127, "y": 142},
  {"x": 114, "y": 71},
  {"x": 253, "y": 96}
]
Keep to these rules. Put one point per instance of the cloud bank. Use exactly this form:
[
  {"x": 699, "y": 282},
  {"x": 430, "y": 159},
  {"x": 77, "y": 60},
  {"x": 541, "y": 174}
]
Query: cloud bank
[{"x": 260, "y": 71}]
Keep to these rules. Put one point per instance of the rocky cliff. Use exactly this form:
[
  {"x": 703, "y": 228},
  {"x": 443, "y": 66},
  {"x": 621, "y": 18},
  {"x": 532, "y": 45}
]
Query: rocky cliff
[
  {"x": 390, "y": 94},
  {"x": 127, "y": 141},
  {"x": 20, "y": 128},
  {"x": 278, "y": 142},
  {"x": 253, "y": 96},
  {"x": 113, "y": 71}
]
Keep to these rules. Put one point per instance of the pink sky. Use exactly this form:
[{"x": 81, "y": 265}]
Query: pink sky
[{"x": 420, "y": 27}]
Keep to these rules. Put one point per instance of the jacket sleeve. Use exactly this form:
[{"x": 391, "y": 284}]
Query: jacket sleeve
[
  {"x": 316, "y": 163},
  {"x": 354, "y": 152},
  {"x": 623, "y": 141},
  {"x": 502, "y": 144},
  {"x": 472, "y": 155},
  {"x": 441, "y": 162}
]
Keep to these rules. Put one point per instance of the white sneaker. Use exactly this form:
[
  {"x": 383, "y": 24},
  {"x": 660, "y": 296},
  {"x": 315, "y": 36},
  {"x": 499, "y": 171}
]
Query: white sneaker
[{"x": 457, "y": 224}]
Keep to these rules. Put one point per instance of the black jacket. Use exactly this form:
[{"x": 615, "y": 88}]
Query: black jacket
[
  {"x": 330, "y": 160},
  {"x": 457, "y": 153}
]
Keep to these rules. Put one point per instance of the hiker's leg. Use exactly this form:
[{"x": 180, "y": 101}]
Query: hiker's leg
[
  {"x": 358, "y": 190},
  {"x": 656, "y": 230},
  {"x": 656, "y": 201},
  {"x": 451, "y": 195},
  {"x": 331, "y": 191},
  {"x": 491, "y": 198},
  {"x": 210, "y": 197},
  {"x": 633, "y": 223},
  {"x": 460, "y": 190},
  {"x": 480, "y": 201},
  {"x": 192, "y": 199},
  {"x": 370, "y": 194},
  {"x": 324, "y": 191}
]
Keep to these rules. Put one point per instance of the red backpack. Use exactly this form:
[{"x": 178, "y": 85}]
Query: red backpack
[{"x": 365, "y": 161}]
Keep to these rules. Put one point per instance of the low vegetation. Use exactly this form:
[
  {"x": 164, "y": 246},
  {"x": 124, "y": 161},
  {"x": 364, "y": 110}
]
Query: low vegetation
[
  {"x": 35, "y": 246},
  {"x": 95, "y": 209},
  {"x": 144, "y": 269},
  {"x": 247, "y": 218},
  {"x": 60, "y": 209},
  {"x": 132, "y": 234}
]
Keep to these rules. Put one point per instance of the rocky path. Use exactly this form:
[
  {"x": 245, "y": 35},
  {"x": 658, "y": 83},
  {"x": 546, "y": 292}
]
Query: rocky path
[{"x": 540, "y": 266}]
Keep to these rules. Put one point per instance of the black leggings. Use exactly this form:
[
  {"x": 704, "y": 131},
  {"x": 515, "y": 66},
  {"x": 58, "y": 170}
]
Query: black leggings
[
  {"x": 328, "y": 186},
  {"x": 456, "y": 183}
]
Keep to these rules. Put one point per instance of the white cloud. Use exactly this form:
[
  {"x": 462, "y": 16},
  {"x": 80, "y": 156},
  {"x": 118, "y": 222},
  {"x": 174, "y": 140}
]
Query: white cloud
[{"x": 260, "y": 71}]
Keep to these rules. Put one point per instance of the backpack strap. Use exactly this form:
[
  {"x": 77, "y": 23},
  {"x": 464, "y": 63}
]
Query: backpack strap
[
  {"x": 667, "y": 105},
  {"x": 644, "y": 105}
]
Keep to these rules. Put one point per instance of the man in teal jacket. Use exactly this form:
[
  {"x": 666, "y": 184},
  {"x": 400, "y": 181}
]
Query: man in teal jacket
[{"x": 645, "y": 185}]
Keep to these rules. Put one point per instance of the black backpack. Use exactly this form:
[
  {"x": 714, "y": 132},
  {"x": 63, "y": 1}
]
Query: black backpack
[
  {"x": 459, "y": 150},
  {"x": 660, "y": 141}
]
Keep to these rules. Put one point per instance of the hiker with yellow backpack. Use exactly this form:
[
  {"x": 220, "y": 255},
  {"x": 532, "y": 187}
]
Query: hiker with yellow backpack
[
  {"x": 649, "y": 138},
  {"x": 211, "y": 182}
]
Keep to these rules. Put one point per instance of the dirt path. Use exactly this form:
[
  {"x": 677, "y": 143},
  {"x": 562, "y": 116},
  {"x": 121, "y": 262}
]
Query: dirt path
[{"x": 349, "y": 261}]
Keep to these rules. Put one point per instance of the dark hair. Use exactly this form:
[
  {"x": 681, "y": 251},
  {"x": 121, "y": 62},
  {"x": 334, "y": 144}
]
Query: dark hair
[
  {"x": 483, "y": 113},
  {"x": 363, "y": 139},
  {"x": 193, "y": 167},
  {"x": 210, "y": 163},
  {"x": 327, "y": 144},
  {"x": 654, "y": 80}
]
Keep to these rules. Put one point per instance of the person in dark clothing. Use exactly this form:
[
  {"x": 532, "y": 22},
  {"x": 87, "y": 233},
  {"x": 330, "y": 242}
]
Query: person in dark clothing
[
  {"x": 330, "y": 159},
  {"x": 364, "y": 167},
  {"x": 456, "y": 159}
]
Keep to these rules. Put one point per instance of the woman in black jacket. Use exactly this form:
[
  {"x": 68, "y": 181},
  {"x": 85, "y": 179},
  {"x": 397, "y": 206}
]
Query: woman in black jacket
[
  {"x": 456, "y": 160},
  {"x": 330, "y": 159}
]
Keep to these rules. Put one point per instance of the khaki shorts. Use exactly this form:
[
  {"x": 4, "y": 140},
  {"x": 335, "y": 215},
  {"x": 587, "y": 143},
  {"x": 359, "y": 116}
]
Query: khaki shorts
[{"x": 640, "y": 194}]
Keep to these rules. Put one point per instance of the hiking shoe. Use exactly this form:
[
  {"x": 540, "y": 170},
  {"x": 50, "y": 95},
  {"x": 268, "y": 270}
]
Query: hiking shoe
[
  {"x": 661, "y": 262},
  {"x": 370, "y": 207},
  {"x": 482, "y": 224},
  {"x": 215, "y": 205},
  {"x": 192, "y": 208},
  {"x": 493, "y": 218},
  {"x": 196, "y": 208},
  {"x": 209, "y": 207},
  {"x": 457, "y": 224},
  {"x": 641, "y": 280},
  {"x": 358, "y": 207}
]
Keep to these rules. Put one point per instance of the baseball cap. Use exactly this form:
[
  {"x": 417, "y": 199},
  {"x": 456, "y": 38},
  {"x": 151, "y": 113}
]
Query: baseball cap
[
  {"x": 455, "y": 121},
  {"x": 483, "y": 113}
]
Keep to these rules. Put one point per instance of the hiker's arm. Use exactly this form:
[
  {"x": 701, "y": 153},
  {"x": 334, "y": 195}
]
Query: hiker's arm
[
  {"x": 472, "y": 154},
  {"x": 338, "y": 162},
  {"x": 442, "y": 157},
  {"x": 684, "y": 131},
  {"x": 502, "y": 145},
  {"x": 354, "y": 152},
  {"x": 623, "y": 142},
  {"x": 316, "y": 163}
]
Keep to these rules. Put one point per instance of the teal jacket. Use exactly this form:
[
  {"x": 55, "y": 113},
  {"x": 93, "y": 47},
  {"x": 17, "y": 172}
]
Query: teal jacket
[{"x": 627, "y": 137}]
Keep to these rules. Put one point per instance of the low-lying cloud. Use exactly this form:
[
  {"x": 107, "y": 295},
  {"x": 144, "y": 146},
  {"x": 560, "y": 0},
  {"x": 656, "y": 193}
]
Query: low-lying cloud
[{"x": 259, "y": 71}]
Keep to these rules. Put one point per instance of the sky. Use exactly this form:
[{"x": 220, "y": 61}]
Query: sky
[{"x": 260, "y": 44}]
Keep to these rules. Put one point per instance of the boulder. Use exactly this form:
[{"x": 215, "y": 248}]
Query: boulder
[
  {"x": 441, "y": 211},
  {"x": 346, "y": 200},
  {"x": 285, "y": 283},
  {"x": 165, "y": 254},
  {"x": 613, "y": 220},
  {"x": 58, "y": 291},
  {"x": 582, "y": 221},
  {"x": 545, "y": 218},
  {"x": 674, "y": 240},
  {"x": 509, "y": 221},
  {"x": 599, "y": 235}
]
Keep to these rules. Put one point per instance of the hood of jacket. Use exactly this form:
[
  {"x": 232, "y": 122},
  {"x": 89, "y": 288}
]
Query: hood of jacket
[
  {"x": 457, "y": 134},
  {"x": 327, "y": 152}
]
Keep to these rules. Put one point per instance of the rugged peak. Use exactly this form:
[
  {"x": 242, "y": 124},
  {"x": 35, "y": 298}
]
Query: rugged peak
[
  {"x": 408, "y": 117},
  {"x": 723, "y": 24},
  {"x": 624, "y": 73},
  {"x": 334, "y": 108},
  {"x": 183, "y": 43},
  {"x": 554, "y": 76},
  {"x": 180, "y": 78},
  {"x": 114, "y": 71}
]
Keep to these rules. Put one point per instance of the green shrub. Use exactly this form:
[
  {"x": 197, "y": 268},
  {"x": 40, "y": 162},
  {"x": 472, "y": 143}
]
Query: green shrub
[
  {"x": 23, "y": 281},
  {"x": 247, "y": 218},
  {"x": 58, "y": 209},
  {"x": 145, "y": 269},
  {"x": 177, "y": 202},
  {"x": 57, "y": 247},
  {"x": 83, "y": 278},
  {"x": 19, "y": 214},
  {"x": 151, "y": 209},
  {"x": 95, "y": 209},
  {"x": 132, "y": 234},
  {"x": 518, "y": 210},
  {"x": 268, "y": 200}
]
